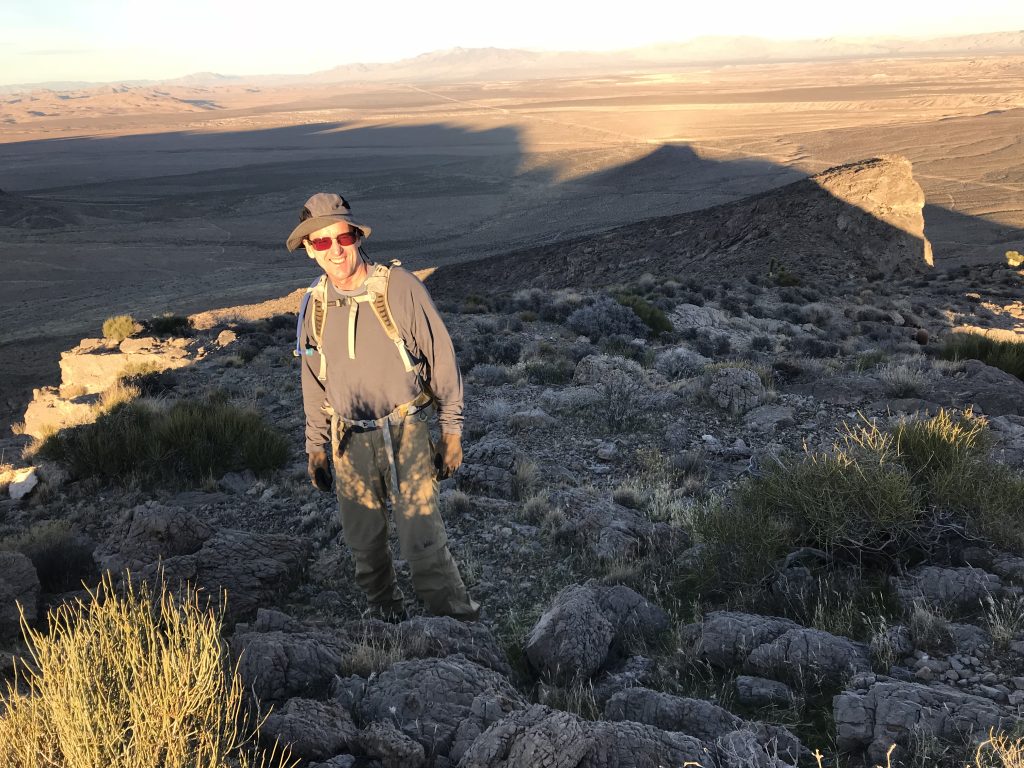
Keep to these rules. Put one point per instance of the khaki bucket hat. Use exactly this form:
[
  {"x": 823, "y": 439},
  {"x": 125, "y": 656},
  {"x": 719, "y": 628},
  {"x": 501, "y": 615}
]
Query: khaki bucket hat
[{"x": 325, "y": 208}]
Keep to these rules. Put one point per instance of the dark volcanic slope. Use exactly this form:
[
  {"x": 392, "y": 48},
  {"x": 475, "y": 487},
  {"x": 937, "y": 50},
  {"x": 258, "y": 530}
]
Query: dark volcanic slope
[{"x": 858, "y": 219}]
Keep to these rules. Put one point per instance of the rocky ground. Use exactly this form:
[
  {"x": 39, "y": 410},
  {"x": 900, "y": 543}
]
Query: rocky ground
[{"x": 592, "y": 446}]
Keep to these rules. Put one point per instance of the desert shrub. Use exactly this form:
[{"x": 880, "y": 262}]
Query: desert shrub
[
  {"x": 741, "y": 546},
  {"x": 762, "y": 343},
  {"x": 819, "y": 314},
  {"x": 169, "y": 324},
  {"x": 546, "y": 371},
  {"x": 712, "y": 343},
  {"x": 124, "y": 680},
  {"x": 62, "y": 557},
  {"x": 1014, "y": 259},
  {"x": 1005, "y": 355},
  {"x": 679, "y": 363},
  {"x": 786, "y": 278},
  {"x": 838, "y": 501},
  {"x": 490, "y": 375},
  {"x": 620, "y": 346},
  {"x": 902, "y": 379},
  {"x": 119, "y": 327},
  {"x": 652, "y": 316},
  {"x": 606, "y": 317},
  {"x": 812, "y": 346},
  {"x": 187, "y": 443}
]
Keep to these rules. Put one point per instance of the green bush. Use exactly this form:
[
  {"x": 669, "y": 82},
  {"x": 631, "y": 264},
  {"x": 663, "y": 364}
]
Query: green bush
[
  {"x": 169, "y": 324},
  {"x": 1005, "y": 355},
  {"x": 187, "y": 443},
  {"x": 119, "y": 327},
  {"x": 870, "y": 498},
  {"x": 838, "y": 501},
  {"x": 651, "y": 315}
]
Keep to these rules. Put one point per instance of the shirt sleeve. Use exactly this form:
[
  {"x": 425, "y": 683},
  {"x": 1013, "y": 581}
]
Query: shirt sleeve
[
  {"x": 314, "y": 396},
  {"x": 427, "y": 338}
]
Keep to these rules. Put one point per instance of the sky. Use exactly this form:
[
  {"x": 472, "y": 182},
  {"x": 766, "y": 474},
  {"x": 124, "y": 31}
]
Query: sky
[{"x": 110, "y": 40}]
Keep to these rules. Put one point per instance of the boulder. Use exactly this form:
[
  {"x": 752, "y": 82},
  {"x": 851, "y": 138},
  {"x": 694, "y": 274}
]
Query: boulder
[
  {"x": 19, "y": 586},
  {"x": 426, "y": 637},
  {"x": 726, "y": 638},
  {"x": 536, "y": 737},
  {"x": 254, "y": 569},
  {"x": 884, "y": 712},
  {"x": 428, "y": 699},
  {"x": 276, "y": 666},
  {"x": 489, "y": 468},
  {"x": 627, "y": 744},
  {"x": 314, "y": 730},
  {"x": 49, "y": 412},
  {"x": 808, "y": 658},
  {"x": 993, "y": 391},
  {"x": 383, "y": 741},
  {"x": 737, "y": 390},
  {"x": 686, "y": 316},
  {"x": 149, "y": 532},
  {"x": 947, "y": 588},
  {"x": 572, "y": 638},
  {"x": 97, "y": 369},
  {"x": 589, "y": 625},
  {"x": 769, "y": 418},
  {"x": 629, "y": 673},
  {"x": 694, "y": 717},
  {"x": 761, "y": 692},
  {"x": 705, "y": 721},
  {"x": 22, "y": 482}
]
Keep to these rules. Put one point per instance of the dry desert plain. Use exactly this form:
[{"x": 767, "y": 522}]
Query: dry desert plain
[{"x": 173, "y": 198}]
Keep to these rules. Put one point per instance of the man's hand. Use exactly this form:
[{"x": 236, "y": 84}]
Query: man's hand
[
  {"x": 449, "y": 455},
  {"x": 319, "y": 471}
]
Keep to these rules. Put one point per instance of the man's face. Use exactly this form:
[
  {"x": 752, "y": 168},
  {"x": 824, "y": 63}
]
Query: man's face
[{"x": 340, "y": 262}]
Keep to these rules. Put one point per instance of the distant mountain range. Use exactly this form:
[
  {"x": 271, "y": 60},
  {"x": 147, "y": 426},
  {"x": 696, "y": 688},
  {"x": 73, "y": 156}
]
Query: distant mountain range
[{"x": 512, "y": 64}]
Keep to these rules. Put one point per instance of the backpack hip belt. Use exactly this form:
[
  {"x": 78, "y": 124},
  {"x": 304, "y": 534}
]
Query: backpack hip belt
[{"x": 339, "y": 424}]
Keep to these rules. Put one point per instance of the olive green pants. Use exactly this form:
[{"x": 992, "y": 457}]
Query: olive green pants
[{"x": 363, "y": 482}]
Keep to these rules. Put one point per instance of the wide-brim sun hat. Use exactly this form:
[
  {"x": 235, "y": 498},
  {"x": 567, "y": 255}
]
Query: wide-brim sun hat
[{"x": 325, "y": 208}]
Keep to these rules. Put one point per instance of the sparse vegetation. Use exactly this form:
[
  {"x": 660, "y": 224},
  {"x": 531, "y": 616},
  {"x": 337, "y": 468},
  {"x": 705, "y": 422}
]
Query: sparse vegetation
[
  {"x": 1005, "y": 355},
  {"x": 185, "y": 443},
  {"x": 606, "y": 317},
  {"x": 62, "y": 557},
  {"x": 653, "y": 317},
  {"x": 126, "y": 680},
  {"x": 119, "y": 327},
  {"x": 169, "y": 324},
  {"x": 872, "y": 497}
]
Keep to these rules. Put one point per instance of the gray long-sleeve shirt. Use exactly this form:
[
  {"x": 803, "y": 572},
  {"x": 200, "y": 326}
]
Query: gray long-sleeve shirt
[{"x": 376, "y": 382}]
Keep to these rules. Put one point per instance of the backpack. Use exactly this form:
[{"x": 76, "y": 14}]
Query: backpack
[{"x": 377, "y": 297}]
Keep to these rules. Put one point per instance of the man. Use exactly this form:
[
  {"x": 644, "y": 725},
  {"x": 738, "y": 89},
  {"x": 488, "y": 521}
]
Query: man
[{"x": 376, "y": 361}]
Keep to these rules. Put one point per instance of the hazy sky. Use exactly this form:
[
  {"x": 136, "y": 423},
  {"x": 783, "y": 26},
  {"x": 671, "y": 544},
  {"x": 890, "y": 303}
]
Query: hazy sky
[{"x": 103, "y": 40}]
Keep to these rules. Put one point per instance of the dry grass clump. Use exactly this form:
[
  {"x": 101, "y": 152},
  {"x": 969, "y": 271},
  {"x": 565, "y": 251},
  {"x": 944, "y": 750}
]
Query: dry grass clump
[
  {"x": 1005, "y": 355},
  {"x": 188, "y": 442},
  {"x": 119, "y": 327},
  {"x": 876, "y": 494},
  {"x": 129, "y": 681}
]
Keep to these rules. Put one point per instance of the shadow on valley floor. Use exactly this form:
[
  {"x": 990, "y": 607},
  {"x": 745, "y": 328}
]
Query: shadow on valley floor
[{"x": 186, "y": 222}]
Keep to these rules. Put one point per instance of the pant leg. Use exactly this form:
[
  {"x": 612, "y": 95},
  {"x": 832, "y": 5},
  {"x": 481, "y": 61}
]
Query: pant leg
[
  {"x": 364, "y": 520},
  {"x": 421, "y": 531}
]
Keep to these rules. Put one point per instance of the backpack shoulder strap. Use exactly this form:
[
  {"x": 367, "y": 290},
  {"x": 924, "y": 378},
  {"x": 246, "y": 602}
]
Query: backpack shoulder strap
[
  {"x": 317, "y": 293},
  {"x": 377, "y": 291}
]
